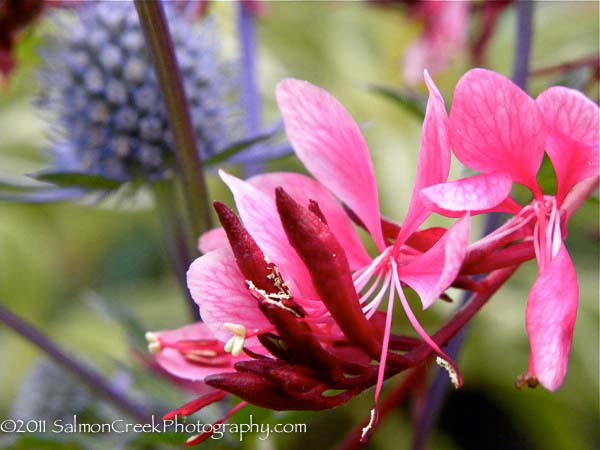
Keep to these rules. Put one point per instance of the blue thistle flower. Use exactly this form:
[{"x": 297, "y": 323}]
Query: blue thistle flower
[{"x": 100, "y": 90}]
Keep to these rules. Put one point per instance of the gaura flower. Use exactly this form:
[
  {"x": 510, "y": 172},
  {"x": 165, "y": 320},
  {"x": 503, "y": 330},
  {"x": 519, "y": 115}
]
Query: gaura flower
[
  {"x": 191, "y": 352},
  {"x": 447, "y": 32},
  {"x": 330, "y": 145},
  {"x": 298, "y": 281},
  {"x": 444, "y": 37},
  {"x": 498, "y": 130}
]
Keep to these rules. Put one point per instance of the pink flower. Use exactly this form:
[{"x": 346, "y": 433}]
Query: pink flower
[
  {"x": 293, "y": 287},
  {"x": 191, "y": 352},
  {"x": 498, "y": 130},
  {"x": 330, "y": 145},
  {"x": 445, "y": 35}
]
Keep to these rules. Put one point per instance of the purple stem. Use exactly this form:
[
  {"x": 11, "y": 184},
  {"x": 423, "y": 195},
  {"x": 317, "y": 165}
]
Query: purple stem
[
  {"x": 85, "y": 373},
  {"x": 523, "y": 43},
  {"x": 250, "y": 95},
  {"x": 439, "y": 387}
]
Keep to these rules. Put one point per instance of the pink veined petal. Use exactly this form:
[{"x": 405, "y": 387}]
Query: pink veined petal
[
  {"x": 173, "y": 362},
  {"x": 260, "y": 217},
  {"x": 329, "y": 144},
  {"x": 570, "y": 113},
  {"x": 433, "y": 165},
  {"x": 432, "y": 273},
  {"x": 212, "y": 240},
  {"x": 477, "y": 193},
  {"x": 573, "y": 124},
  {"x": 303, "y": 189},
  {"x": 494, "y": 126},
  {"x": 550, "y": 320},
  {"x": 219, "y": 289}
]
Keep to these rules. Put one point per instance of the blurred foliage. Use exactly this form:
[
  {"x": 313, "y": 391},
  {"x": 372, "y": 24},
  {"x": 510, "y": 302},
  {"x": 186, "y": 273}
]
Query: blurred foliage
[{"x": 53, "y": 257}]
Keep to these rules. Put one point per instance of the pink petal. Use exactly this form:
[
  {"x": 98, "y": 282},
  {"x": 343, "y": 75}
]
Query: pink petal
[
  {"x": 260, "y": 217},
  {"x": 302, "y": 189},
  {"x": 219, "y": 288},
  {"x": 212, "y": 240},
  {"x": 173, "y": 362},
  {"x": 433, "y": 272},
  {"x": 433, "y": 165},
  {"x": 573, "y": 124},
  {"x": 551, "y": 313},
  {"x": 330, "y": 145},
  {"x": 570, "y": 113},
  {"x": 481, "y": 192},
  {"x": 494, "y": 126}
]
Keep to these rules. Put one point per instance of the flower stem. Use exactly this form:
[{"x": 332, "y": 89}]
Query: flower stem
[
  {"x": 247, "y": 43},
  {"x": 523, "y": 42},
  {"x": 85, "y": 373},
  {"x": 250, "y": 95},
  {"x": 158, "y": 38},
  {"x": 589, "y": 61},
  {"x": 177, "y": 237},
  {"x": 392, "y": 400}
]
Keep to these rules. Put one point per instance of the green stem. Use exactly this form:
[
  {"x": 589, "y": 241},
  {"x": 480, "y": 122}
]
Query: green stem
[
  {"x": 177, "y": 237},
  {"x": 158, "y": 38}
]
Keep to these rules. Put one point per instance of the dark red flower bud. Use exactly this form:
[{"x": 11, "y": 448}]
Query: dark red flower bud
[
  {"x": 275, "y": 345},
  {"x": 248, "y": 255},
  {"x": 328, "y": 266},
  {"x": 292, "y": 378},
  {"x": 253, "y": 263},
  {"x": 304, "y": 347},
  {"x": 265, "y": 393},
  {"x": 314, "y": 208}
]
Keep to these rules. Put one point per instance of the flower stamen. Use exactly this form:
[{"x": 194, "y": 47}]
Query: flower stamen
[
  {"x": 454, "y": 373},
  {"x": 235, "y": 345},
  {"x": 451, "y": 372},
  {"x": 154, "y": 345},
  {"x": 366, "y": 431}
]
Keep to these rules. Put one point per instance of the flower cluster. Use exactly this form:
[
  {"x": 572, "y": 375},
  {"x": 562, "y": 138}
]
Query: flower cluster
[
  {"x": 100, "y": 87},
  {"x": 290, "y": 298}
]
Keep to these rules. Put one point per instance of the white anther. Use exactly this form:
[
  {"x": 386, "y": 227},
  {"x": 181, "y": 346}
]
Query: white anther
[
  {"x": 370, "y": 425},
  {"x": 273, "y": 299},
  {"x": 192, "y": 438},
  {"x": 154, "y": 346},
  {"x": 235, "y": 345},
  {"x": 448, "y": 367}
]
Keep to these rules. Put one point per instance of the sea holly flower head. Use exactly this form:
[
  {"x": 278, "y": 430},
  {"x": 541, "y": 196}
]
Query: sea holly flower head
[
  {"x": 100, "y": 85},
  {"x": 294, "y": 276},
  {"x": 498, "y": 130}
]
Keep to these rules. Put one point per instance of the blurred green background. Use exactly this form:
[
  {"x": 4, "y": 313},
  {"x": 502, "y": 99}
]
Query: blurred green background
[{"x": 76, "y": 271}]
